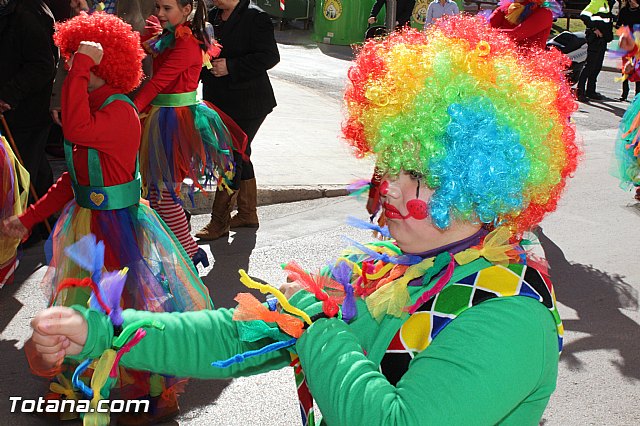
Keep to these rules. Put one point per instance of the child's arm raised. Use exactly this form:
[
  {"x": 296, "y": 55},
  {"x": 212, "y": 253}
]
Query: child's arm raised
[{"x": 104, "y": 129}]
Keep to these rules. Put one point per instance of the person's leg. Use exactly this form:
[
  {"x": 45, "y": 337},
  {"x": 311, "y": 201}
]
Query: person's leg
[
  {"x": 589, "y": 66},
  {"x": 582, "y": 81},
  {"x": 173, "y": 215},
  {"x": 31, "y": 145},
  {"x": 248, "y": 192},
  {"x": 598, "y": 59},
  {"x": 625, "y": 90}
]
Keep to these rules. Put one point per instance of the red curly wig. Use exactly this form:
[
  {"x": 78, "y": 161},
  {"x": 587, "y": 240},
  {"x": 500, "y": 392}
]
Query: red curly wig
[{"x": 121, "y": 65}]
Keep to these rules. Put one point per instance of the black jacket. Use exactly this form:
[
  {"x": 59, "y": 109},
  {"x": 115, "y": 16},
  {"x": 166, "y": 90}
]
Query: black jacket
[
  {"x": 628, "y": 16},
  {"x": 599, "y": 21},
  {"x": 250, "y": 48},
  {"x": 27, "y": 62}
]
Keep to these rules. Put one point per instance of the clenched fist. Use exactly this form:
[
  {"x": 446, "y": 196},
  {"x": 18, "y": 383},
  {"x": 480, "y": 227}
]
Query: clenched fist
[{"x": 58, "y": 332}]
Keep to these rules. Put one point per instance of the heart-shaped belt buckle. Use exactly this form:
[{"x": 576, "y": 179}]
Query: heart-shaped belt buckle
[{"x": 97, "y": 198}]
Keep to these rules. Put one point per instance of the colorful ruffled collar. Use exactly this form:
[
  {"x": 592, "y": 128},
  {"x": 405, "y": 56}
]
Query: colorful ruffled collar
[
  {"x": 157, "y": 40},
  {"x": 378, "y": 273}
]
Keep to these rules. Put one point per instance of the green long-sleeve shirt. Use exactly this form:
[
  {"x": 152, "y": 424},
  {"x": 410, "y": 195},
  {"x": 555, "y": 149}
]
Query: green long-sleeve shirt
[{"x": 494, "y": 364}]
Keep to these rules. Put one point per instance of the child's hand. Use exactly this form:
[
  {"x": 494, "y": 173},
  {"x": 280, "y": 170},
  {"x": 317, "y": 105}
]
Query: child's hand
[
  {"x": 628, "y": 68},
  {"x": 92, "y": 50},
  {"x": 12, "y": 227},
  {"x": 58, "y": 332},
  {"x": 289, "y": 289},
  {"x": 4, "y": 106}
]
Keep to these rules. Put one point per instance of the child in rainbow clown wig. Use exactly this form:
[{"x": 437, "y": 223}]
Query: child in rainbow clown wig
[
  {"x": 449, "y": 323},
  {"x": 100, "y": 194}
]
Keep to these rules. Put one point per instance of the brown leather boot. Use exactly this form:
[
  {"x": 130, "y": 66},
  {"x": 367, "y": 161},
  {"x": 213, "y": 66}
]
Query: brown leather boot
[
  {"x": 247, "y": 216},
  {"x": 220, "y": 217}
]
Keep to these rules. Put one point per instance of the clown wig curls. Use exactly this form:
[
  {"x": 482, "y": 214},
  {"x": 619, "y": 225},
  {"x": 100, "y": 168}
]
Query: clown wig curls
[
  {"x": 121, "y": 65},
  {"x": 485, "y": 124}
]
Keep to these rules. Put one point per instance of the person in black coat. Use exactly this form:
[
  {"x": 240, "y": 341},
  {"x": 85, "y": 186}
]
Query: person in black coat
[
  {"x": 404, "y": 9},
  {"x": 28, "y": 60},
  {"x": 238, "y": 84},
  {"x": 598, "y": 19}
]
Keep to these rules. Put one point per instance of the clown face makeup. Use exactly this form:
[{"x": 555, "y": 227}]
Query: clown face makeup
[
  {"x": 405, "y": 201},
  {"x": 415, "y": 208}
]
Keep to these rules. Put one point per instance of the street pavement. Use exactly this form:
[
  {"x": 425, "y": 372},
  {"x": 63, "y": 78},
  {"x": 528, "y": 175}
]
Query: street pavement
[{"x": 590, "y": 244}]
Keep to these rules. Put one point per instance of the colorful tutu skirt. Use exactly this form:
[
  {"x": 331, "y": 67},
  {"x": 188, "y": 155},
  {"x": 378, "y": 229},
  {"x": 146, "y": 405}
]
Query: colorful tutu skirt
[
  {"x": 627, "y": 149},
  {"x": 14, "y": 184},
  {"x": 187, "y": 139},
  {"x": 161, "y": 277}
]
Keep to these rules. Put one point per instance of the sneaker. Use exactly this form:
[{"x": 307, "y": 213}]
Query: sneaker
[{"x": 200, "y": 257}]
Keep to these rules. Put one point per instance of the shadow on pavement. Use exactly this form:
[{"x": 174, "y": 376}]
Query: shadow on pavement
[
  {"x": 223, "y": 281},
  {"x": 223, "y": 284},
  {"x": 608, "y": 106},
  {"x": 339, "y": 52},
  {"x": 199, "y": 393},
  {"x": 597, "y": 298},
  {"x": 294, "y": 33},
  {"x": 15, "y": 377}
]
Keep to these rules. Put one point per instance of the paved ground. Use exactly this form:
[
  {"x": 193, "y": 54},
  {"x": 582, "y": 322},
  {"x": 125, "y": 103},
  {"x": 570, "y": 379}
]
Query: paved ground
[{"x": 590, "y": 243}]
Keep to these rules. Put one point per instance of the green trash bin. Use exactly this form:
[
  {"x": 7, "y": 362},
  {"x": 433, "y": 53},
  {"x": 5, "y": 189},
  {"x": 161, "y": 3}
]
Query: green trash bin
[
  {"x": 419, "y": 15},
  {"x": 286, "y": 9},
  {"x": 342, "y": 22}
]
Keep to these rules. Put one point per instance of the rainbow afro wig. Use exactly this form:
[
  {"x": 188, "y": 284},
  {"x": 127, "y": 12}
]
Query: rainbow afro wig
[
  {"x": 121, "y": 65},
  {"x": 488, "y": 126}
]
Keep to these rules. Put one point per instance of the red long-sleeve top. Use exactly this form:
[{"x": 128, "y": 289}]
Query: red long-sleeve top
[
  {"x": 114, "y": 131},
  {"x": 175, "y": 70},
  {"x": 532, "y": 32}
]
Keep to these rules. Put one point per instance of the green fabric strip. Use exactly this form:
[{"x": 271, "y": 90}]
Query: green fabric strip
[
  {"x": 68, "y": 158},
  {"x": 95, "y": 170},
  {"x": 108, "y": 197},
  {"x": 118, "y": 97},
  {"x": 175, "y": 99}
]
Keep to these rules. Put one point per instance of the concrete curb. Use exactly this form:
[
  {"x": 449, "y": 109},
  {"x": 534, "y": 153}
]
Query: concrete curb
[{"x": 268, "y": 195}]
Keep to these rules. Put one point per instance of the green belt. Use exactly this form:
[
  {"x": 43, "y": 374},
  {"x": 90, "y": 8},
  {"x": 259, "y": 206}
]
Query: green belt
[
  {"x": 175, "y": 99},
  {"x": 108, "y": 197}
]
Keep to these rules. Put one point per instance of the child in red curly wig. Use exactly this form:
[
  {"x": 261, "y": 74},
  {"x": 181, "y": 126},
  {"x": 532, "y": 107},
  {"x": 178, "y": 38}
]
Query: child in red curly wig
[{"x": 100, "y": 194}]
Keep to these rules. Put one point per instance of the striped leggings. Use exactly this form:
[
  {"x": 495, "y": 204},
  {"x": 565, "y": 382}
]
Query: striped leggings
[{"x": 173, "y": 215}]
